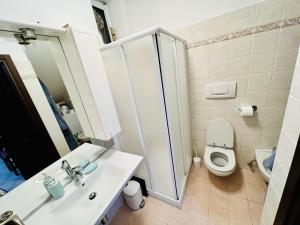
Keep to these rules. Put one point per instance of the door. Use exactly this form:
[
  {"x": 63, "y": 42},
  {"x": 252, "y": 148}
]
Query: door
[
  {"x": 22, "y": 131},
  {"x": 102, "y": 21}
]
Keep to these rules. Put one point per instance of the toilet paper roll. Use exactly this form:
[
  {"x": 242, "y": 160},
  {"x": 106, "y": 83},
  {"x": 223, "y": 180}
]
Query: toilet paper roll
[{"x": 246, "y": 111}]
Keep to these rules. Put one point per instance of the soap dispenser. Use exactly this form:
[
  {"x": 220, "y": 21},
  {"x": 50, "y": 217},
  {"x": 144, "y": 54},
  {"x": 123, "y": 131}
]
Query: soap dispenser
[{"x": 53, "y": 186}]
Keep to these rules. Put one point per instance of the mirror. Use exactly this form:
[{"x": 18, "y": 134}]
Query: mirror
[{"x": 39, "y": 121}]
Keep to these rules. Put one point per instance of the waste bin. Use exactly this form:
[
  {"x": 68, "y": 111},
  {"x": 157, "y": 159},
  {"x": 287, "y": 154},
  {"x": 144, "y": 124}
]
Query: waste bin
[{"x": 133, "y": 195}]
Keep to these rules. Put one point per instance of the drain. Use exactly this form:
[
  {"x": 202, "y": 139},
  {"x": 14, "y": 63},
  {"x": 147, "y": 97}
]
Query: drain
[{"x": 92, "y": 195}]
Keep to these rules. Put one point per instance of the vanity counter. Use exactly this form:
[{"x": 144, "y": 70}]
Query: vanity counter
[{"x": 114, "y": 170}]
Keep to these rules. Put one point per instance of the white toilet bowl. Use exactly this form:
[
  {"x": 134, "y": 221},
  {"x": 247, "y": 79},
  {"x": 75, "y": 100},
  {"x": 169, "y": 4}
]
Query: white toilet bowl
[{"x": 219, "y": 156}]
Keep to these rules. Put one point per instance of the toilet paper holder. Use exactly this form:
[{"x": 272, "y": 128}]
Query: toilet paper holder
[{"x": 254, "y": 107}]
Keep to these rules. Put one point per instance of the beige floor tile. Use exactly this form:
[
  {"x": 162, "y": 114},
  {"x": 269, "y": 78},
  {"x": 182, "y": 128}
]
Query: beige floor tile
[
  {"x": 187, "y": 205},
  {"x": 255, "y": 210},
  {"x": 239, "y": 206},
  {"x": 200, "y": 211},
  {"x": 237, "y": 192},
  {"x": 218, "y": 216},
  {"x": 201, "y": 197},
  {"x": 122, "y": 217},
  {"x": 255, "y": 195},
  {"x": 141, "y": 219},
  {"x": 235, "y": 185},
  {"x": 199, "y": 221},
  {"x": 201, "y": 185},
  {"x": 218, "y": 198},
  {"x": 218, "y": 183},
  {"x": 190, "y": 189},
  {"x": 209, "y": 200},
  {"x": 237, "y": 219},
  {"x": 179, "y": 217},
  {"x": 255, "y": 222}
]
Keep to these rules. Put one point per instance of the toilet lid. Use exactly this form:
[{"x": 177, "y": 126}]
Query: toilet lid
[
  {"x": 219, "y": 152},
  {"x": 220, "y": 133}
]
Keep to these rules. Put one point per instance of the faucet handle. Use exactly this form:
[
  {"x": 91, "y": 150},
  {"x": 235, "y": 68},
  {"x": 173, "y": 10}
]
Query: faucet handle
[
  {"x": 65, "y": 164},
  {"x": 77, "y": 172}
]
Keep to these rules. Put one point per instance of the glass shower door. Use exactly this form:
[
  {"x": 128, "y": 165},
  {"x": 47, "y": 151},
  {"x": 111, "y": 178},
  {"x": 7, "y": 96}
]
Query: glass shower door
[
  {"x": 168, "y": 62},
  {"x": 145, "y": 78},
  {"x": 182, "y": 81}
]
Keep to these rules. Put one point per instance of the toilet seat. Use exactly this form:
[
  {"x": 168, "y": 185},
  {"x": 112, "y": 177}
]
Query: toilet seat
[{"x": 220, "y": 170}]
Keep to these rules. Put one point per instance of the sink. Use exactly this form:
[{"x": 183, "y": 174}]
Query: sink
[
  {"x": 77, "y": 195},
  {"x": 114, "y": 170}
]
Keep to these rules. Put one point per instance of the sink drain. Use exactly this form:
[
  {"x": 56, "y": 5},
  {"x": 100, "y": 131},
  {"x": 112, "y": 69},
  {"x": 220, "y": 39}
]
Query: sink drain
[{"x": 92, "y": 195}]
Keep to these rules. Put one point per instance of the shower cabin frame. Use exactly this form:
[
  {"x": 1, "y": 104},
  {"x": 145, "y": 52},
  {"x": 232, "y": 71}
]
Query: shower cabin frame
[{"x": 155, "y": 33}]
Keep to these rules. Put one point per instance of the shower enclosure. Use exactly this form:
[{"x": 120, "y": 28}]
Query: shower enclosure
[{"x": 147, "y": 74}]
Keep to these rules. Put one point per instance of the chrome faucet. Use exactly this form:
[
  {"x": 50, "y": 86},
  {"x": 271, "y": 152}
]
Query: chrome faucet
[{"x": 75, "y": 173}]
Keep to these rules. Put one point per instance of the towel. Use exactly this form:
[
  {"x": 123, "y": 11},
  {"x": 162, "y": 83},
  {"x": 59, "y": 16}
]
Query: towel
[{"x": 268, "y": 162}]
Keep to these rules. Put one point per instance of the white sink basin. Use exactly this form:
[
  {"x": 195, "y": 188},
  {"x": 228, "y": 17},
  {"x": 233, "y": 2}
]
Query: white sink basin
[{"x": 107, "y": 181}]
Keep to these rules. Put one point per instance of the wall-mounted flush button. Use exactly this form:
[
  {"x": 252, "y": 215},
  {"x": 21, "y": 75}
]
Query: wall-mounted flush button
[{"x": 225, "y": 89}]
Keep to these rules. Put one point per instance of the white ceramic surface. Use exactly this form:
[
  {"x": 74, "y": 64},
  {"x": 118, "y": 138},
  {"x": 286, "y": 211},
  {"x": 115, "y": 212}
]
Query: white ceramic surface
[
  {"x": 108, "y": 180},
  {"x": 261, "y": 155}
]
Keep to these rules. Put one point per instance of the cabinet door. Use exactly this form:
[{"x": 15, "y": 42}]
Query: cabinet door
[{"x": 83, "y": 54}]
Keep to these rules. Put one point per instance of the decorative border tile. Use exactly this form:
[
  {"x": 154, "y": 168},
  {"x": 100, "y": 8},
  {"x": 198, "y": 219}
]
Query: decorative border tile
[{"x": 246, "y": 32}]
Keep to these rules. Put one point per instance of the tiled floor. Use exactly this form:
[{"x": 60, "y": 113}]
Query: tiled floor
[
  {"x": 209, "y": 200},
  {"x": 8, "y": 180}
]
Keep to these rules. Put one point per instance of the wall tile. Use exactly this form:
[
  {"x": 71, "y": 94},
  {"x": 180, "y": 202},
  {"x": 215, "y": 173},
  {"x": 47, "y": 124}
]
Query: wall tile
[
  {"x": 190, "y": 56},
  {"x": 220, "y": 25},
  {"x": 243, "y": 128},
  {"x": 242, "y": 83},
  {"x": 263, "y": 76},
  {"x": 239, "y": 66},
  {"x": 200, "y": 31},
  {"x": 198, "y": 86},
  {"x": 209, "y": 113},
  {"x": 289, "y": 37},
  {"x": 202, "y": 54},
  {"x": 184, "y": 32},
  {"x": 275, "y": 114},
  {"x": 259, "y": 81},
  {"x": 291, "y": 9},
  {"x": 286, "y": 59},
  {"x": 218, "y": 68},
  {"x": 268, "y": 141},
  {"x": 265, "y": 41},
  {"x": 268, "y": 11},
  {"x": 262, "y": 62},
  {"x": 278, "y": 98},
  {"x": 272, "y": 129},
  {"x": 201, "y": 124},
  {"x": 285, "y": 151},
  {"x": 220, "y": 50},
  {"x": 258, "y": 98},
  {"x": 240, "y": 46},
  {"x": 243, "y": 18},
  {"x": 199, "y": 71},
  {"x": 250, "y": 141},
  {"x": 281, "y": 80}
]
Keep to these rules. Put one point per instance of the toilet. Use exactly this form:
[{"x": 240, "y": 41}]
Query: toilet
[{"x": 219, "y": 156}]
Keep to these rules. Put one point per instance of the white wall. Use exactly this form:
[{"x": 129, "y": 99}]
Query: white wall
[
  {"x": 285, "y": 152},
  {"x": 130, "y": 16},
  {"x": 54, "y": 13}
]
